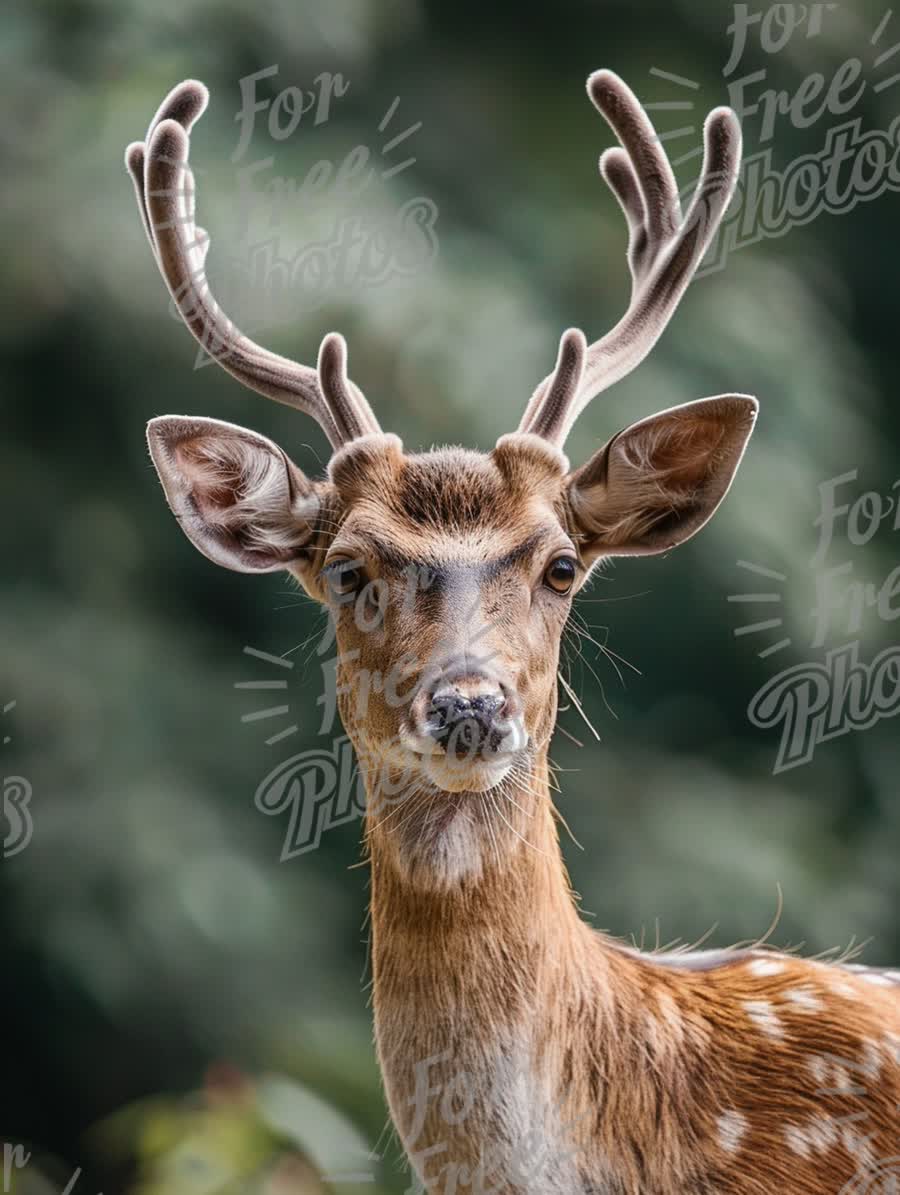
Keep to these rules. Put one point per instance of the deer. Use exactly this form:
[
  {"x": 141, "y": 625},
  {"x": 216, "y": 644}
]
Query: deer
[{"x": 520, "y": 1048}]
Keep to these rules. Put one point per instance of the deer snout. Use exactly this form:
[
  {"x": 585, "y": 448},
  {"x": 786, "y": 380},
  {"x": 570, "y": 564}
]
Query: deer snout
[{"x": 470, "y": 717}]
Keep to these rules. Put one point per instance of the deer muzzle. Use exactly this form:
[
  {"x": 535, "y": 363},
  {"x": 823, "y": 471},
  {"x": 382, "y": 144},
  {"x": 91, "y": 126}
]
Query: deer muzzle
[{"x": 468, "y": 719}]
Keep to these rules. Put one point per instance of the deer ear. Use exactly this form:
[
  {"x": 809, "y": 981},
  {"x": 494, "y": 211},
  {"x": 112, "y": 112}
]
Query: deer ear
[
  {"x": 237, "y": 496},
  {"x": 656, "y": 483}
]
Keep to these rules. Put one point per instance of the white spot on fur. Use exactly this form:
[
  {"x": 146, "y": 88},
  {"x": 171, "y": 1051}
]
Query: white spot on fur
[
  {"x": 766, "y": 966},
  {"x": 871, "y": 1059},
  {"x": 847, "y": 990},
  {"x": 797, "y": 1140},
  {"x": 805, "y": 999},
  {"x": 843, "y": 1084},
  {"x": 763, "y": 1016},
  {"x": 882, "y": 981},
  {"x": 818, "y": 1068},
  {"x": 818, "y": 1136},
  {"x": 732, "y": 1130}
]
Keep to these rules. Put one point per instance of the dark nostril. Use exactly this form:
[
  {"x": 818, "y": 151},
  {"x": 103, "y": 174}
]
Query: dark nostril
[
  {"x": 449, "y": 709},
  {"x": 487, "y": 706},
  {"x": 463, "y": 725}
]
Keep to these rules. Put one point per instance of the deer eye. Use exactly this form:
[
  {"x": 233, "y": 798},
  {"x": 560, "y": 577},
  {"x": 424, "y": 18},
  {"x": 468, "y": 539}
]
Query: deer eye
[
  {"x": 344, "y": 577},
  {"x": 561, "y": 573}
]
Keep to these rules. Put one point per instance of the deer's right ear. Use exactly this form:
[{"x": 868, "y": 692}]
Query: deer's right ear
[{"x": 237, "y": 496}]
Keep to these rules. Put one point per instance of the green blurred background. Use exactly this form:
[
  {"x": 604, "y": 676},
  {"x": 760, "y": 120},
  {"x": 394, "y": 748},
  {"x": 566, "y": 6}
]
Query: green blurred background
[{"x": 175, "y": 1000}]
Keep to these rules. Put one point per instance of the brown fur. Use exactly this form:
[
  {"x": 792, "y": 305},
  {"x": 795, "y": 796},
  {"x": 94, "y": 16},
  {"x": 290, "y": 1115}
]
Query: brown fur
[{"x": 639, "y": 1058}]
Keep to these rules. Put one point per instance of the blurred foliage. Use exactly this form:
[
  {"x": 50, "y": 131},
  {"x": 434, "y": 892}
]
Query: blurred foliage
[{"x": 149, "y": 929}]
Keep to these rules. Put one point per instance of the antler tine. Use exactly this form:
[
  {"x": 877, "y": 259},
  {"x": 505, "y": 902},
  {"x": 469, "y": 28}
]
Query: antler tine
[
  {"x": 664, "y": 249},
  {"x": 185, "y": 103},
  {"x": 642, "y": 153},
  {"x": 164, "y": 187},
  {"x": 554, "y": 399},
  {"x": 351, "y": 412}
]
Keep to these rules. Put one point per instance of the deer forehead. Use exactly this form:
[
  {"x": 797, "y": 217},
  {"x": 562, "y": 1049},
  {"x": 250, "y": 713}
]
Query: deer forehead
[{"x": 448, "y": 506}]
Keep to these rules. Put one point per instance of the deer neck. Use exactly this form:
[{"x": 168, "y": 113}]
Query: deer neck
[{"x": 470, "y": 983}]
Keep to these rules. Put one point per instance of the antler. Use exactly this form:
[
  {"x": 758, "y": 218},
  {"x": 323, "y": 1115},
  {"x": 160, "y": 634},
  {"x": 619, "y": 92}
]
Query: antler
[
  {"x": 164, "y": 185},
  {"x": 664, "y": 250}
]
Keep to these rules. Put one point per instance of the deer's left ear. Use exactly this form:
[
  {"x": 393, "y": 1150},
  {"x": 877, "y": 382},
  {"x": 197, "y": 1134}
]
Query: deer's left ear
[{"x": 655, "y": 484}]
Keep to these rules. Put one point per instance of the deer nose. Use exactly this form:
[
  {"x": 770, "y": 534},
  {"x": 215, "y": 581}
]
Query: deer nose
[{"x": 466, "y": 726}]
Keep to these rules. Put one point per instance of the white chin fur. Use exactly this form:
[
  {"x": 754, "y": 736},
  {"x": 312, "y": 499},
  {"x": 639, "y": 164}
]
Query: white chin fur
[
  {"x": 451, "y": 830},
  {"x": 454, "y": 776}
]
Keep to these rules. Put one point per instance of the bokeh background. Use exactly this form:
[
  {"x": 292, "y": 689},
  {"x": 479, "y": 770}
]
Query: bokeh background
[{"x": 181, "y": 1011}]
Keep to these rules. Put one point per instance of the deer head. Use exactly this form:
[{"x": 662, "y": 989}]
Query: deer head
[{"x": 450, "y": 574}]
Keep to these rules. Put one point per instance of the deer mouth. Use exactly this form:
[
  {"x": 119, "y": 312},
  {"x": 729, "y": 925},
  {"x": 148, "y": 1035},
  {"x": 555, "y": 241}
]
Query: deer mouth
[
  {"x": 466, "y": 762},
  {"x": 465, "y": 746}
]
